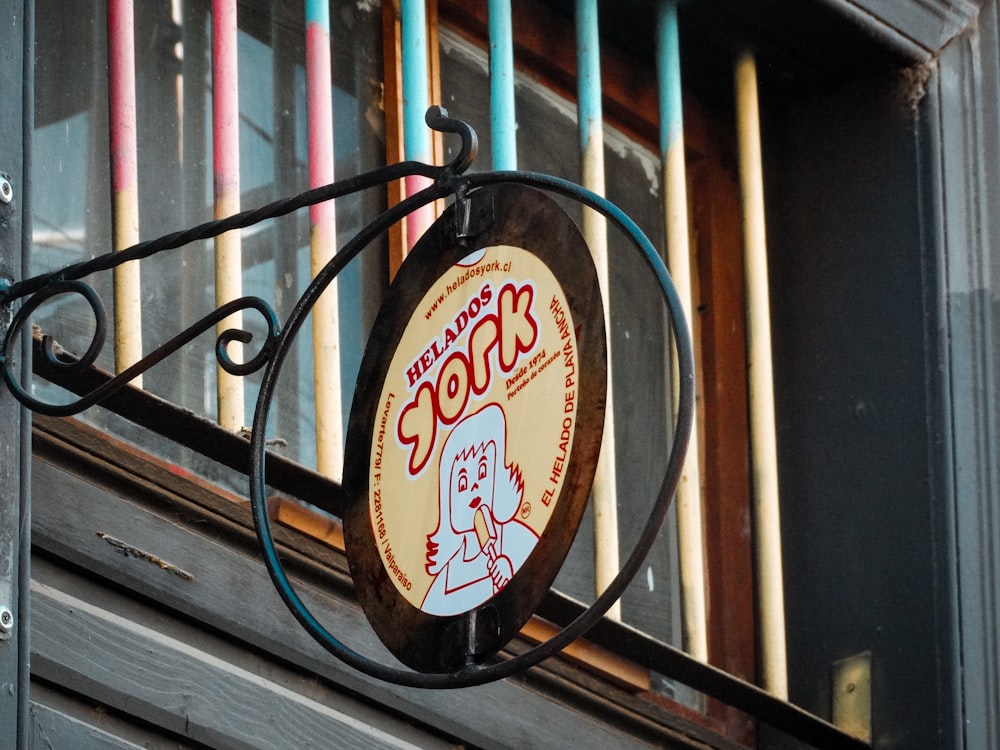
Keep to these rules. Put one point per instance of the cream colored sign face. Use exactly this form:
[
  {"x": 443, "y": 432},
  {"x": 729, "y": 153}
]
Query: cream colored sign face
[{"x": 473, "y": 430}]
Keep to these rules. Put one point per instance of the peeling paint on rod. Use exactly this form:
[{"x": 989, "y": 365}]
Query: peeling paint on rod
[
  {"x": 323, "y": 242},
  {"x": 416, "y": 136},
  {"x": 226, "y": 166},
  {"x": 591, "y": 124},
  {"x": 503, "y": 122},
  {"x": 689, "y": 503},
  {"x": 769, "y": 578},
  {"x": 124, "y": 182}
]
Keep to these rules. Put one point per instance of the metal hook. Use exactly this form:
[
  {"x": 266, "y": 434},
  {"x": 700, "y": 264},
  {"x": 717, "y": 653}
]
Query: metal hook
[{"x": 437, "y": 119}]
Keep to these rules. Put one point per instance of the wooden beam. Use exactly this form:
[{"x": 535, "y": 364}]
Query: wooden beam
[
  {"x": 726, "y": 487},
  {"x": 392, "y": 106},
  {"x": 51, "y": 727},
  {"x": 227, "y": 590},
  {"x": 192, "y": 692},
  {"x": 188, "y": 429}
]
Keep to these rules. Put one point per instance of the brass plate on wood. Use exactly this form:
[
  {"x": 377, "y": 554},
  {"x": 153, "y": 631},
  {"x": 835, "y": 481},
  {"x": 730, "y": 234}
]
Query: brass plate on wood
[
  {"x": 475, "y": 428},
  {"x": 852, "y": 695}
]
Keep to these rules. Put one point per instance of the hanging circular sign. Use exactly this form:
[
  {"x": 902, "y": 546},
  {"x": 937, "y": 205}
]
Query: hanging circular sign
[{"x": 475, "y": 428}]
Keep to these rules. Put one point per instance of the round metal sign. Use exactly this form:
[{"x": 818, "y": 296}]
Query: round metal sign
[{"x": 475, "y": 429}]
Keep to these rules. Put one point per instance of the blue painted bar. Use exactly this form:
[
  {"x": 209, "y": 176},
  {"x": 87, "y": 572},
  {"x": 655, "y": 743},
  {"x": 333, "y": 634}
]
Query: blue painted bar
[
  {"x": 668, "y": 61},
  {"x": 318, "y": 11},
  {"x": 675, "y": 211},
  {"x": 503, "y": 122},
  {"x": 416, "y": 135},
  {"x": 590, "y": 122},
  {"x": 417, "y": 143},
  {"x": 588, "y": 61}
]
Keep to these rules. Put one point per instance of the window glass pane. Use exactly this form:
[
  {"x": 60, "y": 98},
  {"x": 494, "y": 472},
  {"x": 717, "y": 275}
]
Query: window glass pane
[
  {"x": 71, "y": 182},
  {"x": 548, "y": 142}
]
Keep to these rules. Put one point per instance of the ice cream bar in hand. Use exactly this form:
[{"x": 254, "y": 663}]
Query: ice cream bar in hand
[{"x": 486, "y": 531}]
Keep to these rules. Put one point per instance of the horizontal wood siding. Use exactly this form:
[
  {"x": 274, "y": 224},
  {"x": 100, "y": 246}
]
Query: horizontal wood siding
[
  {"x": 226, "y": 703},
  {"x": 151, "y": 600},
  {"x": 60, "y": 720},
  {"x": 51, "y": 728}
]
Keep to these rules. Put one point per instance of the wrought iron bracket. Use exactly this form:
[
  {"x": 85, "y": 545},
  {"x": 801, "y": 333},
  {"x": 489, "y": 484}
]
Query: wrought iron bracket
[{"x": 472, "y": 215}]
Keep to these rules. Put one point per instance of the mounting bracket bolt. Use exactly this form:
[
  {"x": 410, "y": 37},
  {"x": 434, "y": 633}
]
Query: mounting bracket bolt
[
  {"x": 6, "y": 621},
  {"x": 6, "y": 190}
]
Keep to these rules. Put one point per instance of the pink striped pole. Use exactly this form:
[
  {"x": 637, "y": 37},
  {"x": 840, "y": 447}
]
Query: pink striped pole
[
  {"x": 226, "y": 170},
  {"x": 416, "y": 135},
  {"x": 124, "y": 182},
  {"x": 323, "y": 241}
]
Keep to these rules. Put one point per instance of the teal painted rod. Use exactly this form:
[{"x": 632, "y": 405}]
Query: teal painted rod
[
  {"x": 668, "y": 62},
  {"x": 691, "y": 546},
  {"x": 417, "y": 144},
  {"x": 416, "y": 135},
  {"x": 595, "y": 232},
  {"x": 503, "y": 121},
  {"x": 588, "y": 62}
]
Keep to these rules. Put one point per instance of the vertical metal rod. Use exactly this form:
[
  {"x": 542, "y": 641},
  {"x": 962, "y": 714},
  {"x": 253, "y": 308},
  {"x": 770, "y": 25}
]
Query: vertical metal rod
[
  {"x": 124, "y": 182},
  {"x": 289, "y": 404},
  {"x": 226, "y": 169},
  {"x": 195, "y": 382},
  {"x": 763, "y": 448},
  {"x": 416, "y": 135},
  {"x": 14, "y": 133},
  {"x": 689, "y": 512},
  {"x": 23, "y": 607},
  {"x": 323, "y": 241},
  {"x": 591, "y": 124},
  {"x": 503, "y": 124}
]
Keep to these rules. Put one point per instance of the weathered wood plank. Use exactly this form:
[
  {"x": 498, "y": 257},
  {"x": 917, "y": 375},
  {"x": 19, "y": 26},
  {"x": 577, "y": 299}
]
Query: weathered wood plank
[
  {"x": 120, "y": 467},
  {"x": 911, "y": 30},
  {"x": 52, "y": 729},
  {"x": 929, "y": 23},
  {"x": 228, "y": 590},
  {"x": 59, "y": 720},
  {"x": 183, "y": 689},
  {"x": 961, "y": 137},
  {"x": 192, "y": 431}
]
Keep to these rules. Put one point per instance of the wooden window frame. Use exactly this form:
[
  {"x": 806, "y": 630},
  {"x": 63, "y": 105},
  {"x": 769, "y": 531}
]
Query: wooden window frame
[{"x": 956, "y": 87}]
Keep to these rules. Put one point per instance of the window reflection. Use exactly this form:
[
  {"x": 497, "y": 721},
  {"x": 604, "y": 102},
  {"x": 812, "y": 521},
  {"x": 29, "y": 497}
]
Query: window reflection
[{"x": 71, "y": 185}]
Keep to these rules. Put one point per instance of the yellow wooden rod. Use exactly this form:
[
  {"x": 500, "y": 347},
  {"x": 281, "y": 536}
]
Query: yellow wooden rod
[
  {"x": 764, "y": 451},
  {"x": 125, "y": 183},
  {"x": 323, "y": 244},
  {"x": 226, "y": 154},
  {"x": 689, "y": 503},
  {"x": 595, "y": 232}
]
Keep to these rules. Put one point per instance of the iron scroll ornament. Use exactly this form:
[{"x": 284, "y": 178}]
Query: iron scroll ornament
[{"x": 448, "y": 180}]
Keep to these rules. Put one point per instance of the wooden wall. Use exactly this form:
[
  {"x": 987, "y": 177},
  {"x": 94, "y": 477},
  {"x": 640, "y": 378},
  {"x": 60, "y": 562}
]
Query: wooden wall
[{"x": 155, "y": 625}]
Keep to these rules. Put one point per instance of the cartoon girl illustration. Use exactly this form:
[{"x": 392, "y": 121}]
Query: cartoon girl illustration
[{"x": 478, "y": 543}]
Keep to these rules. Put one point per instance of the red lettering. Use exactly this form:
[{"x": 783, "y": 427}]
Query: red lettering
[
  {"x": 518, "y": 327},
  {"x": 450, "y": 335},
  {"x": 482, "y": 340},
  {"x": 413, "y": 372},
  {"x": 417, "y": 427},
  {"x": 512, "y": 331},
  {"x": 452, "y": 388}
]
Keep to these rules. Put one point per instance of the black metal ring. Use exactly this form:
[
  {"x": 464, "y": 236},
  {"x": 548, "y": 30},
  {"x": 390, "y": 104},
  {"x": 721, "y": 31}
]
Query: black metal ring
[
  {"x": 449, "y": 179},
  {"x": 474, "y": 674}
]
